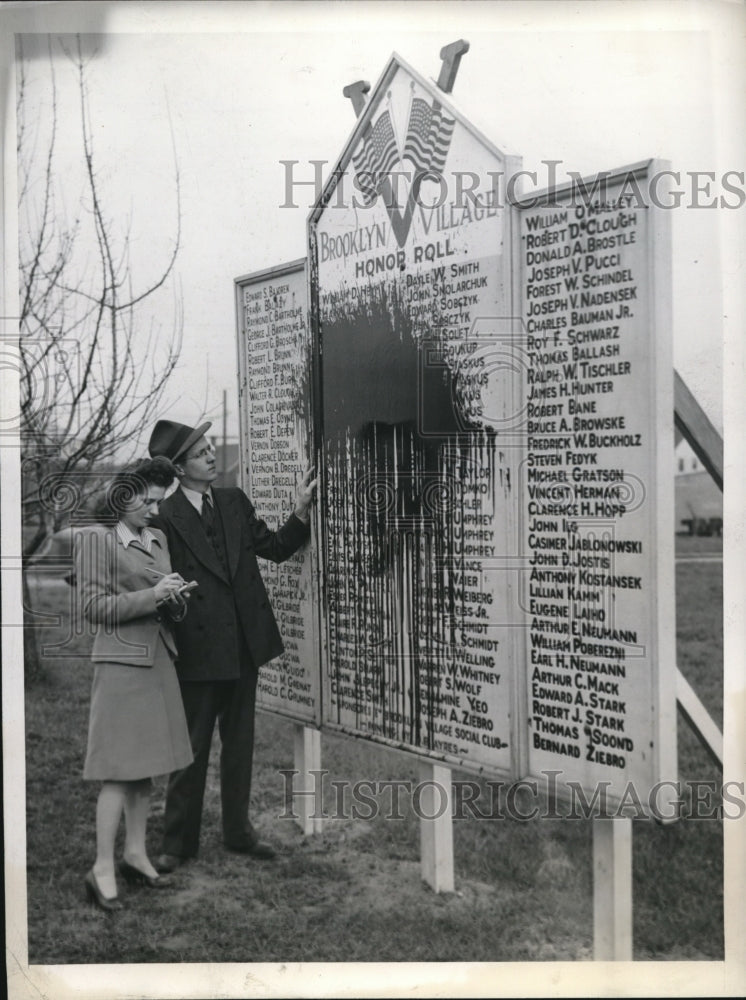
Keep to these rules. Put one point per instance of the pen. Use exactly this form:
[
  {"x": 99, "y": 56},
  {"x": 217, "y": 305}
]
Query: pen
[{"x": 185, "y": 588}]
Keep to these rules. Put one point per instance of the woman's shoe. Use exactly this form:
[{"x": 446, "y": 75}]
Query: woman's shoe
[
  {"x": 95, "y": 895},
  {"x": 135, "y": 877}
]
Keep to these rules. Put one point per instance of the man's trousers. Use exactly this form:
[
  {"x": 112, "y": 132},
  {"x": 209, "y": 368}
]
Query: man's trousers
[{"x": 232, "y": 704}]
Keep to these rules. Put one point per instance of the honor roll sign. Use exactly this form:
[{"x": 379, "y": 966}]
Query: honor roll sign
[
  {"x": 274, "y": 403},
  {"x": 419, "y": 400},
  {"x": 493, "y": 409}
]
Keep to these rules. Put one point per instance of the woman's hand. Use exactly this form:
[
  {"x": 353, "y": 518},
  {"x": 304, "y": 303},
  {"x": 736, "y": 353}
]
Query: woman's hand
[{"x": 168, "y": 586}]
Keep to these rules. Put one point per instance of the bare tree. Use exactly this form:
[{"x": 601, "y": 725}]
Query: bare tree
[{"x": 93, "y": 365}]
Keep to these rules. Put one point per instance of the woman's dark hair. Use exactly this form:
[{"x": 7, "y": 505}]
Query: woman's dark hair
[{"x": 133, "y": 482}]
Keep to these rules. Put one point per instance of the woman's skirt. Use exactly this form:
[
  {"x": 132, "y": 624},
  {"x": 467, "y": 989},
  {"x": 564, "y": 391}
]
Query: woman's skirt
[{"x": 137, "y": 726}]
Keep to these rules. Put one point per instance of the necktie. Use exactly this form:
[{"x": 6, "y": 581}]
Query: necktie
[{"x": 208, "y": 514}]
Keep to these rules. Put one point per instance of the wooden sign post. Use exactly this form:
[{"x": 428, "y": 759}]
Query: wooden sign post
[
  {"x": 436, "y": 826},
  {"x": 612, "y": 889},
  {"x": 307, "y": 760}
]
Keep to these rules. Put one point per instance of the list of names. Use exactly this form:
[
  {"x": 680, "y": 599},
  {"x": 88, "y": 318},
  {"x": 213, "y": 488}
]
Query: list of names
[
  {"x": 274, "y": 408},
  {"x": 586, "y": 512}
]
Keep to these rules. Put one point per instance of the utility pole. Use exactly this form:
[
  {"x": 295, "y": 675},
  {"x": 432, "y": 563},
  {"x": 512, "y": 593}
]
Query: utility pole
[{"x": 224, "y": 459}]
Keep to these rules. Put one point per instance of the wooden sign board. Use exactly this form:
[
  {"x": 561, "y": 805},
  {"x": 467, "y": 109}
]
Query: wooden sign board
[
  {"x": 492, "y": 402},
  {"x": 596, "y": 483},
  {"x": 274, "y": 405},
  {"x": 417, "y": 410}
]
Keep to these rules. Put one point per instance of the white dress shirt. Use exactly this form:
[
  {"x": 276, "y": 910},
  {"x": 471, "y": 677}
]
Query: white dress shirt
[
  {"x": 127, "y": 536},
  {"x": 195, "y": 498}
]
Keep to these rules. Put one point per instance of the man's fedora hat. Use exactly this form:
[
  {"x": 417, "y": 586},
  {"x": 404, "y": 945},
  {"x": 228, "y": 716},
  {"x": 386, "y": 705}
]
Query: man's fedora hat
[{"x": 172, "y": 439}]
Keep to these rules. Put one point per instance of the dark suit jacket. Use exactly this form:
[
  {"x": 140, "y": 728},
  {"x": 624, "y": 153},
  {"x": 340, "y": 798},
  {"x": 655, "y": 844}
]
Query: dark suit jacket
[{"x": 221, "y": 607}]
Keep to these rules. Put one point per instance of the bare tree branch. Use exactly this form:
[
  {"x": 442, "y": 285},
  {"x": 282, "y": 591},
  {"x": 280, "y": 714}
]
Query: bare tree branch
[{"x": 81, "y": 409}]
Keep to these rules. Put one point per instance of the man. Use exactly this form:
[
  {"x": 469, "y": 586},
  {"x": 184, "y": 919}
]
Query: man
[{"x": 214, "y": 537}]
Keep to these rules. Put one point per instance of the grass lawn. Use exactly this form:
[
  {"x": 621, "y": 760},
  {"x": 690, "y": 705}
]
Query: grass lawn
[{"x": 354, "y": 892}]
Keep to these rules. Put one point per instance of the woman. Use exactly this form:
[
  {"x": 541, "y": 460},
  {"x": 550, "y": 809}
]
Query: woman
[{"x": 137, "y": 727}]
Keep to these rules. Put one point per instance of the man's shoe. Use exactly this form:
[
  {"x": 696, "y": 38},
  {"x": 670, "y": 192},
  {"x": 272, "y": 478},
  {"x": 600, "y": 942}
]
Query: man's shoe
[
  {"x": 164, "y": 864},
  {"x": 255, "y": 849}
]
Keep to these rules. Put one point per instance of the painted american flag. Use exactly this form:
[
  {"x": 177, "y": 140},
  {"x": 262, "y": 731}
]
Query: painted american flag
[
  {"x": 374, "y": 160},
  {"x": 428, "y": 135}
]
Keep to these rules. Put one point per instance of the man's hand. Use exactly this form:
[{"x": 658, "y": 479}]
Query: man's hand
[{"x": 304, "y": 497}]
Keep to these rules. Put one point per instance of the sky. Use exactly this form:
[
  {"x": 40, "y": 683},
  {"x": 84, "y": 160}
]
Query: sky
[{"x": 230, "y": 95}]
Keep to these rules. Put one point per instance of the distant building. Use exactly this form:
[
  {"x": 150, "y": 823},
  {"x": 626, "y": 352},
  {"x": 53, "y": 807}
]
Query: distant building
[{"x": 698, "y": 501}]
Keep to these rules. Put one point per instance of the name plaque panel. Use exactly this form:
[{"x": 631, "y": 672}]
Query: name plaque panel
[
  {"x": 596, "y": 485},
  {"x": 418, "y": 401},
  {"x": 274, "y": 404}
]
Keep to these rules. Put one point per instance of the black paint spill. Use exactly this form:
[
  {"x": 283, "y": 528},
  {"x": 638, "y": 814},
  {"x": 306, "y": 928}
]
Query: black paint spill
[{"x": 402, "y": 467}]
